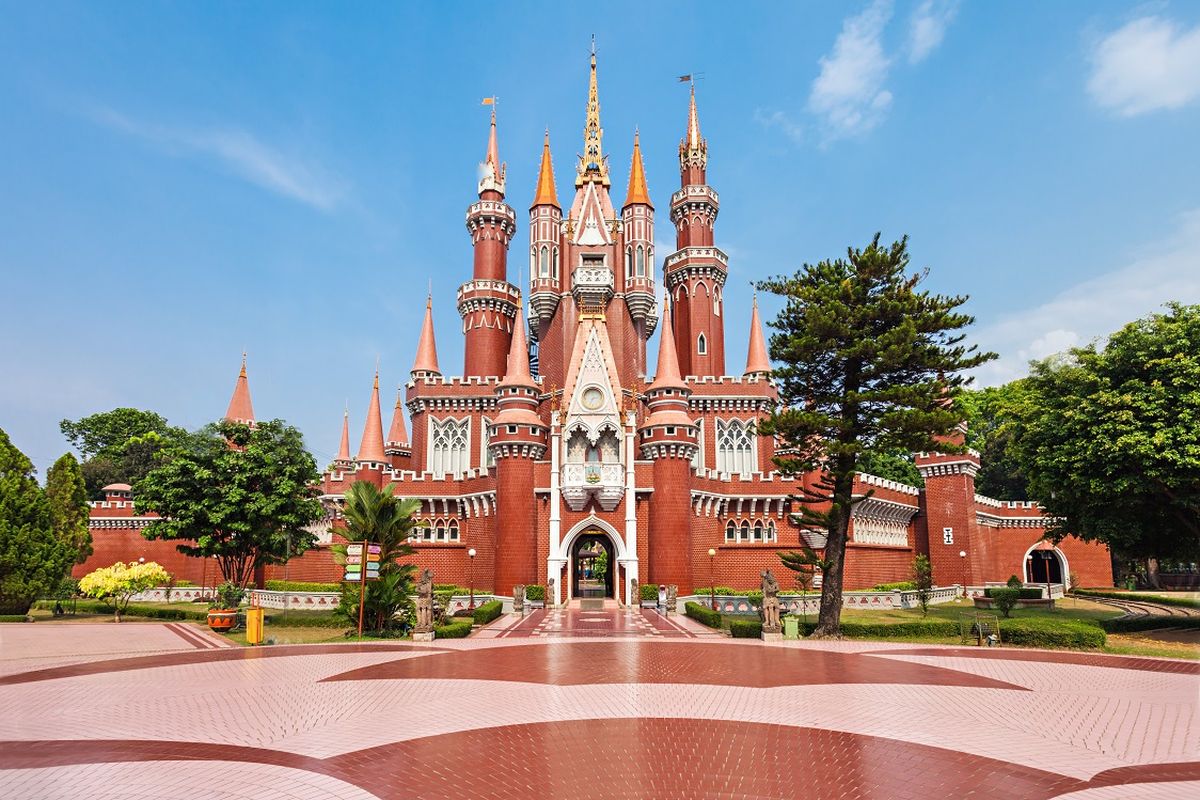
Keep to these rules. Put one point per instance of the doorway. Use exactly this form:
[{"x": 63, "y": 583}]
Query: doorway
[
  {"x": 593, "y": 565},
  {"x": 1043, "y": 566}
]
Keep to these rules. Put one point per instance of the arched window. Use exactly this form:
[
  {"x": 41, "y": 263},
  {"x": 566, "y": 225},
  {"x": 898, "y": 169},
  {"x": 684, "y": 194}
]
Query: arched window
[
  {"x": 452, "y": 530},
  {"x": 448, "y": 454},
  {"x": 556, "y": 263},
  {"x": 641, "y": 262},
  {"x": 629, "y": 262},
  {"x": 731, "y": 531},
  {"x": 439, "y": 531},
  {"x": 735, "y": 447},
  {"x": 758, "y": 530},
  {"x": 544, "y": 265},
  {"x": 701, "y": 344},
  {"x": 698, "y": 456},
  {"x": 532, "y": 263},
  {"x": 716, "y": 302},
  {"x": 771, "y": 531},
  {"x": 485, "y": 439},
  {"x": 745, "y": 531}
]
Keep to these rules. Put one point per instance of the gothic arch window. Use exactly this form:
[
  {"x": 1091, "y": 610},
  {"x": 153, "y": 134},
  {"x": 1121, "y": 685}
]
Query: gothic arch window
[
  {"x": 629, "y": 262},
  {"x": 758, "y": 530},
  {"x": 744, "y": 531},
  {"x": 698, "y": 456},
  {"x": 771, "y": 531},
  {"x": 448, "y": 453},
  {"x": 735, "y": 447},
  {"x": 485, "y": 439},
  {"x": 731, "y": 531},
  {"x": 544, "y": 264},
  {"x": 716, "y": 302},
  {"x": 701, "y": 345},
  {"x": 641, "y": 261},
  {"x": 452, "y": 530},
  {"x": 704, "y": 286},
  {"x": 532, "y": 263},
  {"x": 649, "y": 262}
]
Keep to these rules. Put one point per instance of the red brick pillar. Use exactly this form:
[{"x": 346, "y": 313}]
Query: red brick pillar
[
  {"x": 670, "y": 529},
  {"x": 516, "y": 516}
]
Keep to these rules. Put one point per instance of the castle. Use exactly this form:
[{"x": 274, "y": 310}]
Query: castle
[{"x": 558, "y": 444}]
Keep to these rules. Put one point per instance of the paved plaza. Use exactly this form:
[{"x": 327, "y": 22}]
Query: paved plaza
[{"x": 568, "y": 704}]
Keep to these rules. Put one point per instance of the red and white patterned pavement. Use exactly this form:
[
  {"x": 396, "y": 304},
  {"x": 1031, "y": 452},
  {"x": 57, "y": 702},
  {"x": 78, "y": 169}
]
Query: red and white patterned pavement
[{"x": 583, "y": 704}]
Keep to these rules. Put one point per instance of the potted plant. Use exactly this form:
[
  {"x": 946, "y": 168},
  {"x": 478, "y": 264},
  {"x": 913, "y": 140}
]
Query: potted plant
[{"x": 223, "y": 610}]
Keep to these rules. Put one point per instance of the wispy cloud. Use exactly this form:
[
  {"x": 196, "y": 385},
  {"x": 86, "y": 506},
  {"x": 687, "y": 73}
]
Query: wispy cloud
[
  {"x": 240, "y": 152},
  {"x": 1148, "y": 64},
  {"x": 1097, "y": 307},
  {"x": 849, "y": 94},
  {"x": 927, "y": 27},
  {"x": 777, "y": 119}
]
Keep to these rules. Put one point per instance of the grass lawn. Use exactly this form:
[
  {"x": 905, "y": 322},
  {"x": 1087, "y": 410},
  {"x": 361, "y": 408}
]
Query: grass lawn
[
  {"x": 295, "y": 635},
  {"x": 1070, "y": 608}
]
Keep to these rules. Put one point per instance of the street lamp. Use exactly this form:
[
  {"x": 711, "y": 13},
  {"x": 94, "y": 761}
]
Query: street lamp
[
  {"x": 962, "y": 556},
  {"x": 1046, "y": 555},
  {"x": 712, "y": 579},
  {"x": 471, "y": 605}
]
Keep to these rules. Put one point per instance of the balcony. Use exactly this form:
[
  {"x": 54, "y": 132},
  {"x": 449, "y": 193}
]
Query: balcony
[{"x": 581, "y": 482}]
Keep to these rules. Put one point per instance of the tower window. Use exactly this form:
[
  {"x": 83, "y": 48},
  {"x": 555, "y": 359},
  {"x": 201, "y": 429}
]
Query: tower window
[
  {"x": 701, "y": 345},
  {"x": 735, "y": 447},
  {"x": 544, "y": 266},
  {"x": 641, "y": 262},
  {"x": 628, "y": 262}
]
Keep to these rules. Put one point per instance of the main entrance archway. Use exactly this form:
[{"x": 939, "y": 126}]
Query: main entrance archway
[
  {"x": 593, "y": 565},
  {"x": 1045, "y": 565}
]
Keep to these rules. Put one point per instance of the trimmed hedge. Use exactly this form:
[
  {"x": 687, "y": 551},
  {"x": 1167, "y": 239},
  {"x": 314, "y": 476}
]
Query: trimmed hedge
[
  {"x": 535, "y": 592},
  {"x": 14, "y": 618},
  {"x": 459, "y": 629},
  {"x": 1148, "y": 623},
  {"x": 745, "y": 628},
  {"x": 931, "y": 628},
  {"x": 1022, "y": 594},
  {"x": 1139, "y": 597},
  {"x": 898, "y": 586},
  {"x": 722, "y": 591},
  {"x": 302, "y": 586},
  {"x": 488, "y": 612},
  {"x": 703, "y": 614},
  {"x": 648, "y": 591},
  {"x": 1033, "y": 632},
  {"x": 134, "y": 610}
]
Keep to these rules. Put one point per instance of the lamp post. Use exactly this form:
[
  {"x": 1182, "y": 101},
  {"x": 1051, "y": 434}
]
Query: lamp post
[
  {"x": 1046, "y": 556},
  {"x": 712, "y": 579},
  {"x": 962, "y": 557},
  {"x": 471, "y": 605}
]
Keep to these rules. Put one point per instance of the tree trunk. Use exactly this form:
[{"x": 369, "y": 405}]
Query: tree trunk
[
  {"x": 1152, "y": 573},
  {"x": 829, "y": 622}
]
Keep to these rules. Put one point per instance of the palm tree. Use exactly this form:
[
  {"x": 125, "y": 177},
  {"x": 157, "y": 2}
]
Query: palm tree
[{"x": 379, "y": 517}]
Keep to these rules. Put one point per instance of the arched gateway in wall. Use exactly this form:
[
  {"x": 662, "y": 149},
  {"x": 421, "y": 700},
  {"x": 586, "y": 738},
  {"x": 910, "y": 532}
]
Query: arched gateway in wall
[{"x": 583, "y": 544}]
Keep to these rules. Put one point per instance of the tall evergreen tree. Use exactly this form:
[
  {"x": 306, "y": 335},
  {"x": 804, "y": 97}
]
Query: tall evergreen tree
[
  {"x": 33, "y": 560},
  {"x": 865, "y": 364},
  {"x": 69, "y": 506}
]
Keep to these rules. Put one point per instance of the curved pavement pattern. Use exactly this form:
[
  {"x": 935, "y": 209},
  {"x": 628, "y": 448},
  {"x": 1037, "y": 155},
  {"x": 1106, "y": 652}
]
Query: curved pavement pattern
[{"x": 618, "y": 715}]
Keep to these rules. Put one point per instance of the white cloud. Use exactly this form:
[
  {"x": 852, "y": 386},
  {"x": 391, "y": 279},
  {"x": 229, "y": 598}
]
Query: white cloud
[
  {"x": 1096, "y": 307},
  {"x": 927, "y": 27},
  {"x": 241, "y": 152},
  {"x": 1149, "y": 64},
  {"x": 777, "y": 119},
  {"x": 848, "y": 93}
]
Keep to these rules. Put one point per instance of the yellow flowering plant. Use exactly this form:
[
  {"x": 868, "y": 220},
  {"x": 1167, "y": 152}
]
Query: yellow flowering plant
[{"x": 122, "y": 581}]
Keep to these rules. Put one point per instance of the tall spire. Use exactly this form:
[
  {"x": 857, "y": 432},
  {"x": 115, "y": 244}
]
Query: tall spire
[
  {"x": 638, "y": 192},
  {"x": 240, "y": 407},
  {"x": 371, "y": 448},
  {"x": 693, "y": 149},
  {"x": 343, "y": 455},
  {"x": 492, "y": 177},
  {"x": 397, "y": 433},
  {"x": 666, "y": 374},
  {"x": 517, "y": 373},
  {"x": 693, "y": 131},
  {"x": 757, "y": 362},
  {"x": 546, "y": 194},
  {"x": 427, "y": 361},
  {"x": 592, "y": 165}
]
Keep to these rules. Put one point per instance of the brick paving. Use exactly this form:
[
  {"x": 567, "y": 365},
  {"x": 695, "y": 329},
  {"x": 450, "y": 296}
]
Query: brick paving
[{"x": 615, "y": 707}]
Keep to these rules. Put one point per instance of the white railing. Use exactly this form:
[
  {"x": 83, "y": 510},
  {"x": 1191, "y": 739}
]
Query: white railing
[
  {"x": 811, "y": 603},
  {"x": 178, "y": 594}
]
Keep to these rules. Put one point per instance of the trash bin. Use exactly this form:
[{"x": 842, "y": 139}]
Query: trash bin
[
  {"x": 791, "y": 628},
  {"x": 254, "y": 625}
]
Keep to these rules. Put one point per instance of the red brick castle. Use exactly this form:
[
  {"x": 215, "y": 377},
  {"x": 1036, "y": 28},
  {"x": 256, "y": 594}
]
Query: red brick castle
[{"x": 561, "y": 441}]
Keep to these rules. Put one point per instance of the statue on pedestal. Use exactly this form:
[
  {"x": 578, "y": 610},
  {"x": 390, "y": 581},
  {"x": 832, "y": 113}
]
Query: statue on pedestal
[
  {"x": 635, "y": 594},
  {"x": 424, "y": 624},
  {"x": 551, "y": 595},
  {"x": 519, "y": 598},
  {"x": 770, "y": 603},
  {"x": 672, "y": 599}
]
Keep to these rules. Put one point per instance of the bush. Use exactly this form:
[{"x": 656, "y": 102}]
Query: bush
[
  {"x": 1035, "y": 632},
  {"x": 745, "y": 628},
  {"x": 1003, "y": 599},
  {"x": 1022, "y": 594},
  {"x": 488, "y": 612},
  {"x": 926, "y": 628},
  {"x": 648, "y": 591},
  {"x": 459, "y": 629},
  {"x": 1013, "y": 582},
  {"x": 303, "y": 586},
  {"x": 1182, "y": 602},
  {"x": 535, "y": 592},
  {"x": 14, "y": 618},
  {"x": 133, "y": 610},
  {"x": 898, "y": 586},
  {"x": 703, "y": 614},
  {"x": 304, "y": 619},
  {"x": 1149, "y": 623},
  {"x": 722, "y": 591}
]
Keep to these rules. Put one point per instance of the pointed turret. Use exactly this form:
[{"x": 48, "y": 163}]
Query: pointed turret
[
  {"x": 493, "y": 171},
  {"x": 240, "y": 407},
  {"x": 638, "y": 192},
  {"x": 343, "y": 456},
  {"x": 398, "y": 434},
  {"x": 693, "y": 150},
  {"x": 757, "y": 362},
  {"x": 666, "y": 375},
  {"x": 547, "y": 194},
  {"x": 517, "y": 373},
  {"x": 593, "y": 167},
  {"x": 371, "y": 448},
  {"x": 426, "y": 362}
]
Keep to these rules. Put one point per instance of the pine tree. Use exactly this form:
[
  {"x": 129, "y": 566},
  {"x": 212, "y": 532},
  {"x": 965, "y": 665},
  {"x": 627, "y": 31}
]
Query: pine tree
[
  {"x": 866, "y": 365},
  {"x": 69, "y": 506}
]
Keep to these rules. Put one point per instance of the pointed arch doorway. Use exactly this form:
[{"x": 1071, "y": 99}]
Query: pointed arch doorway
[{"x": 593, "y": 565}]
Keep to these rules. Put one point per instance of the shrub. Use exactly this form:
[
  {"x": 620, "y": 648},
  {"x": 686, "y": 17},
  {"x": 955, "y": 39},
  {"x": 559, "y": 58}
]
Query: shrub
[
  {"x": 1022, "y": 594},
  {"x": 648, "y": 591},
  {"x": 302, "y": 586},
  {"x": 926, "y": 628},
  {"x": 459, "y": 629},
  {"x": 229, "y": 596},
  {"x": 703, "y": 614},
  {"x": 1148, "y": 623},
  {"x": 1014, "y": 582},
  {"x": 535, "y": 592},
  {"x": 745, "y": 628},
  {"x": 488, "y": 612},
  {"x": 754, "y": 596},
  {"x": 898, "y": 586},
  {"x": 305, "y": 619},
  {"x": 122, "y": 581},
  {"x": 14, "y": 618},
  {"x": 1036, "y": 632},
  {"x": 1003, "y": 599},
  {"x": 134, "y": 610},
  {"x": 1139, "y": 597},
  {"x": 723, "y": 591}
]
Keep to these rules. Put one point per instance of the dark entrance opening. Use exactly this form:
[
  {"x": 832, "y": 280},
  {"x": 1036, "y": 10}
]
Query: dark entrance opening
[
  {"x": 1043, "y": 566},
  {"x": 592, "y": 565}
]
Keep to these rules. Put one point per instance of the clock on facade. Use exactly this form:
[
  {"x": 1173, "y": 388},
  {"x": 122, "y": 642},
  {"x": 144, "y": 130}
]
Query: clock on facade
[{"x": 593, "y": 398}]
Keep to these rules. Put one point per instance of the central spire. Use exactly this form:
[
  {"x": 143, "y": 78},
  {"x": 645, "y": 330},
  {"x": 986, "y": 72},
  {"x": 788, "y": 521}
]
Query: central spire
[
  {"x": 491, "y": 172},
  {"x": 593, "y": 167}
]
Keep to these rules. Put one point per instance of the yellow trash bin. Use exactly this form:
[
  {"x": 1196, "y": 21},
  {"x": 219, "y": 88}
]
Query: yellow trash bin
[
  {"x": 791, "y": 627},
  {"x": 254, "y": 625}
]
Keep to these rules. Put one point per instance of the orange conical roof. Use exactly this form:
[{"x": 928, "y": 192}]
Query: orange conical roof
[
  {"x": 756, "y": 357},
  {"x": 666, "y": 374},
  {"x": 638, "y": 193},
  {"x": 517, "y": 373},
  {"x": 344, "y": 447},
  {"x": 371, "y": 448},
  {"x": 397, "y": 432},
  {"x": 427, "y": 360},
  {"x": 240, "y": 407},
  {"x": 546, "y": 194}
]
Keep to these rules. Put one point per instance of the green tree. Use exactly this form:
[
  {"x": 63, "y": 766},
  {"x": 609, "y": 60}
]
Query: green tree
[
  {"x": 991, "y": 416},
  {"x": 118, "y": 446},
  {"x": 923, "y": 578},
  {"x": 895, "y": 465},
  {"x": 121, "y": 582},
  {"x": 379, "y": 517},
  {"x": 241, "y": 494},
  {"x": 33, "y": 560},
  {"x": 1110, "y": 438},
  {"x": 69, "y": 506},
  {"x": 867, "y": 363}
]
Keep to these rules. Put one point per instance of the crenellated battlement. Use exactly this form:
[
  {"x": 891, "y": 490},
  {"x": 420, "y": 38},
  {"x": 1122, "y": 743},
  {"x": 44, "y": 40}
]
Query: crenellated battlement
[{"x": 884, "y": 483}]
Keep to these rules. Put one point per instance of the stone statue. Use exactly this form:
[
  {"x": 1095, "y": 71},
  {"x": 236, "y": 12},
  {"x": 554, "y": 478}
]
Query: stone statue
[
  {"x": 551, "y": 595},
  {"x": 519, "y": 598},
  {"x": 672, "y": 599},
  {"x": 424, "y": 626},
  {"x": 635, "y": 594},
  {"x": 770, "y": 603}
]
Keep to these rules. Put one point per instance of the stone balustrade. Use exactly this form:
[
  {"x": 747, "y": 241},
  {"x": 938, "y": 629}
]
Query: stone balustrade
[{"x": 811, "y": 603}]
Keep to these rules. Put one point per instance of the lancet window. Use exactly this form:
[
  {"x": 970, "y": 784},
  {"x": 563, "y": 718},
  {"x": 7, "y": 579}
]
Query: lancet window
[
  {"x": 735, "y": 447},
  {"x": 448, "y": 453}
]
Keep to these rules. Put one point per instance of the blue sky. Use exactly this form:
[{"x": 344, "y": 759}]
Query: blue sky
[{"x": 180, "y": 181}]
